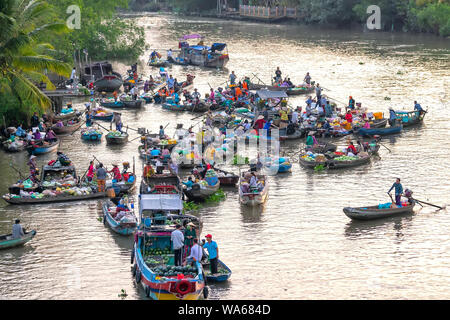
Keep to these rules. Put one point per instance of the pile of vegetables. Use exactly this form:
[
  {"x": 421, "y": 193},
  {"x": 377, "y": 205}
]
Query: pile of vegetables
[
  {"x": 115, "y": 134},
  {"x": 173, "y": 271}
]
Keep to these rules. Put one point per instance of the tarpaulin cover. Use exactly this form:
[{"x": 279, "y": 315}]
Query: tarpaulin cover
[
  {"x": 165, "y": 202},
  {"x": 218, "y": 46}
]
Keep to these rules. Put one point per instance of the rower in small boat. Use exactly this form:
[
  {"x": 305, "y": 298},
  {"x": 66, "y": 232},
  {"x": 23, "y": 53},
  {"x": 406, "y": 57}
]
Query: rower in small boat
[
  {"x": 213, "y": 252},
  {"x": 117, "y": 120},
  {"x": 17, "y": 230},
  {"x": 418, "y": 107},
  {"x": 392, "y": 117},
  {"x": 398, "y": 191}
]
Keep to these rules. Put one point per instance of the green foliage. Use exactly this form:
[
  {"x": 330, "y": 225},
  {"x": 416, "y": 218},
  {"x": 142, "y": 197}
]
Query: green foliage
[
  {"x": 216, "y": 197},
  {"x": 192, "y": 5},
  {"x": 190, "y": 206},
  {"x": 26, "y": 56},
  {"x": 103, "y": 34}
]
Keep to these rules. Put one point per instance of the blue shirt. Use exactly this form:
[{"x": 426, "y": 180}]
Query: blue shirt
[
  {"x": 188, "y": 183},
  {"x": 418, "y": 107},
  {"x": 392, "y": 115},
  {"x": 398, "y": 188},
  {"x": 155, "y": 153},
  {"x": 212, "y": 249},
  {"x": 232, "y": 78}
]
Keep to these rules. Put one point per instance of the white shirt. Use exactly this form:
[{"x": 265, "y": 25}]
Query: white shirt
[
  {"x": 253, "y": 181},
  {"x": 294, "y": 117},
  {"x": 169, "y": 53},
  {"x": 196, "y": 252},
  {"x": 72, "y": 76},
  {"x": 177, "y": 238}
]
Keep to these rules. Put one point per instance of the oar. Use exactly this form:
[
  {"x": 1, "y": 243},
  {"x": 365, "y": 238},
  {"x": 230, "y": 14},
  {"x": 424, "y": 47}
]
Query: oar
[
  {"x": 20, "y": 173},
  {"x": 430, "y": 204},
  {"x": 385, "y": 146},
  {"x": 78, "y": 128},
  {"x": 103, "y": 127},
  {"x": 197, "y": 117},
  {"x": 136, "y": 138}
]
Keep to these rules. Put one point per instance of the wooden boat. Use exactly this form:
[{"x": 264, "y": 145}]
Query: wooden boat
[
  {"x": 91, "y": 136},
  {"x": 260, "y": 86},
  {"x": 229, "y": 180},
  {"x": 117, "y": 139},
  {"x": 112, "y": 105},
  {"x": 174, "y": 107},
  {"x": 201, "y": 107},
  {"x": 160, "y": 63},
  {"x": 310, "y": 164},
  {"x": 105, "y": 78},
  {"x": 371, "y": 213},
  {"x": 334, "y": 164},
  {"x": 108, "y": 116},
  {"x": 223, "y": 275},
  {"x": 61, "y": 198},
  {"x": 194, "y": 55},
  {"x": 45, "y": 148},
  {"x": 298, "y": 133},
  {"x": 68, "y": 128},
  {"x": 66, "y": 116},
  {"x": 253, "y": 199},
  {"x": 410, "y": 118},
  {"x": 125, "y": 226},
  {"x": 148, "y": 99},
  {"x": 379, "y": 123},
  {"x": 7, "y": 241},
  {"x": 200, "y": 192},
  {"x": 18, "y": 146},
  {"x": 161, "y": 183},
  {"x": 133, "y": 104},
  {"x": 379, "y": 131},
  {"x": 299, "y": 90}
]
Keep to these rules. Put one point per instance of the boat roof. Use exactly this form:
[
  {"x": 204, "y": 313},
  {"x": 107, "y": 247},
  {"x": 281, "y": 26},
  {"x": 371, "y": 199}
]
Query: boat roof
[
  {"x": 267, "y": 94},
  {"x": 164, "y": 202},
  {"x": 62, "y": 168}
]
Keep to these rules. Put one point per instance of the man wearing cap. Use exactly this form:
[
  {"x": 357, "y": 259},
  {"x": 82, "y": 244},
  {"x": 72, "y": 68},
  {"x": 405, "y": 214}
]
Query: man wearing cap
[
  {"x": 177, "y": 239},
  {"x": 17, "y": 230},
  {"x": 213, "y": 251}
]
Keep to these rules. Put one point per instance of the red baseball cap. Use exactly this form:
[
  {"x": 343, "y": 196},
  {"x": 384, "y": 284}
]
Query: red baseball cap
[{"x": 208, "y": 236}]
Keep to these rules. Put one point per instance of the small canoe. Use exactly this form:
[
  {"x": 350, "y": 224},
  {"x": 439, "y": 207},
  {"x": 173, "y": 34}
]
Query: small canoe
[
  {"x": 299, "y": 90},
  {"x": 199, "y": 192},
  {"x": 173, "y": 107},
  {"x": 298, "y": 133},
  {"x": 372, "y": 213},
  {"x": 67, "y": 116},
  {"x": 91, "y": 136},
  {"x": 224, "y": 273},
  {"x": 379, "y": 123},
  {"x": 126, "y": 226},
  {"x": 45, "y": 148},
  {"x": 7, "y": 241},
  {"x": 106, "y": 117},
  {"x": 117, "y": 139},
  {"x": 68, "y": 128},
  {"x": 379, "y": 131},
  {"x": 410, "y": 118},
  {"x": 157, "y": 64},
  {"x": 133, "y": 104},
  {"x": 61, "y": 198},
  {"x": 112, "y": 105}
]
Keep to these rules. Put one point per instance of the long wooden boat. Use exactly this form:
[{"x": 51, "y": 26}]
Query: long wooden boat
[
  {"x": 224, "y": 273},
  {"x": 62, "y": 198},
  {"x": 109, "y": 83},
  {"x": 106, "y": 117},
  {"x": 67, "y": 116},
  {"x": 229, "y": 180},
  {"x": 160, "y": 63},
  {"x": 117, "y": 140},
  {"x": 299, "y": 90},
  {"x": 410, "y": 118},
  {"x": 174, "y": 107},
  {"x": 20, "y": 145},
  {"x": 7, "y": 241},
  {"x": 379, "y": 131},
  {"x": 200, "y": 192},
  {"x": 254, "y": 199},
  {"x": 371, "y": 213},
  {"x": 124, "y": 227},
  {"x": 112, "y": 105},
  {"x": 298, "y": 133},
  {"x": 67, "y": 128},
  {"x": 38, "y": 150}
]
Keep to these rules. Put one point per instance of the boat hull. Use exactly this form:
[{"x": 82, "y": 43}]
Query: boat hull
[
  {"x": 43, "y": 150},
  {"x": 117, "y": 140},
  {"x": 108, "y": 84},
  {"x": 379, "y": 131},
  {"x": 20, "y": 201},
  {"x": 11, "y": 243},
  {"x": 373, "y": 213},
  {"x": 116, "y": 226}
]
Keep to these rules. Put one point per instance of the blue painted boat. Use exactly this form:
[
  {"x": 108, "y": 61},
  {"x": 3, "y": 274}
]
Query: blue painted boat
[
  {"x": 37, "y": 150},
  {"x": 125, "y": 227},
  {"x": 108, "y": 117},
  {"x": 379, "y": 131},
  {"x": 282, "y": 165},
  {"x": 92, "y": 136},
  {"x": 173, "y": 106},
  {"x": 118, "y": 104},
  {"x": 6, "y": 241},
  {"x": 410, "y": 118},
  {"x": 223, "y": 275},
  {"x": 147, "y": 99}
]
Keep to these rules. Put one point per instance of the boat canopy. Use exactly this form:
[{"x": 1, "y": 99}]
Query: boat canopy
[
  {"x": 160, "y": 202},
  {"x": 267, "y": 94},
  {"x": 97, "y": 67},
  {"x": 191, "y": 36},
  {"x": 218, "y": 46}
]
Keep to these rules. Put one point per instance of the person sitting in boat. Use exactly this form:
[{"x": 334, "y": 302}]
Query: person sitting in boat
[
  {"x": 351, "y": 103},
  {"x": 63, "y": 159},
  {"x": 50, "y": 136},
  {"x": 165, "y": 154},
  {"x": 398, "y": 191},
  {"x": 37, "y": 135},
  {"x": 173, "y": 167},
  {"x": 195, "y": 252},
  {"x": 351, "y": 150},
  {"x": 155, "y": 152},
  {"x": 159, "y": 166},
  {"x": 17, "y": 230},
  {"x": 121, "y": 207},
  {"x": 189, "y": 183},
  {"x": 196, "y": 96},
  {"x": 20, "y": 132},
  {"x": 311, "y": 140},
  {"x": 148, "y": 170},
  {"x": 117, "y": 177},
  {"x": 366, "y": 124},
  {"x": 29, "y": 136},
  {"x": 326, "y": 126}
]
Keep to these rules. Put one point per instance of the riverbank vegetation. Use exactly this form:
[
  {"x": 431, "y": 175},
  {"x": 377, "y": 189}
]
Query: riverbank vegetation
[
  {"x": 26, "y": 56},
  {"x": 432, "y": 16}
]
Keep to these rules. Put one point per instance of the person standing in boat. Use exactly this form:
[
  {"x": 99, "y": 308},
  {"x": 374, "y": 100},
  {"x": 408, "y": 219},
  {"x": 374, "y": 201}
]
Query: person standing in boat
[
  {"x": 117, "y": 120},
  {"x": 318, "y": 95},
  {"x": 101, "y": 178},
  {"x": 35, "y": 121},
  {"x": 351, "y": 103},
  {"x": 177, "y": 239},
  {"x": 17, "y": 230},
  {"x": 418, "y": 107},
  {"x": 392, "y": 117},
  {"x": 196, "y": 253},
  {"x": 196, "y": 96},
  {"x": 278, "y": 74},
  {"x": 170, "y": 56},
  {"x": 133, "y": 93},
  {"x": 307, "y": 79},
  {"x": 33, "y": 168},
  {"x": 213, "y": 252},
  {"x": 189, "y": 235},
  {"x": 398, "y": 192},
  {"x": 232, "y": 78},
  {"x": 50, "y": 136}
]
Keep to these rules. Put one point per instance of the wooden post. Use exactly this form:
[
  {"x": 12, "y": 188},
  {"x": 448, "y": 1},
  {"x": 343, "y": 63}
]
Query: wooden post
[{"x": 276, "y": 11}]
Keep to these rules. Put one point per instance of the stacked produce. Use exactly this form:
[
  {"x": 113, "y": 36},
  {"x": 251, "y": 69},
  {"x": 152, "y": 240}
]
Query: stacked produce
[
  {"x": 116, "y": 134},
  {"x": 59, "y": 192},
  {"x": 310, "y": 156},
  {"x": 211, "y": 177}
]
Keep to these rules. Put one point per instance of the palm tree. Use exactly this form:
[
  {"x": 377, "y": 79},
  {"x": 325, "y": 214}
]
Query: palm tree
[{"x": 25, "y": 57}]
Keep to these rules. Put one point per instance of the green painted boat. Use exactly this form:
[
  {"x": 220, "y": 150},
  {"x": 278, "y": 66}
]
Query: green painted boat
[{"x": 6, "y": 241}]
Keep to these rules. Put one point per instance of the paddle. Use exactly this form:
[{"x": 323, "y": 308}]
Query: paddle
[
  {"x": 103, "y": 127},
  {"x": 430, "y": 204},
  {"x": 385, "y": 146},
  {"x": 78, "y": 128},
  {"x": 20, "y": 173},
  {"x": 136, "y": 138}
]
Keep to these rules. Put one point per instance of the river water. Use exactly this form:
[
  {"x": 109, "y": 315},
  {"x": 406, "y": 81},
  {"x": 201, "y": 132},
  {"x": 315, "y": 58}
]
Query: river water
[{"x": 300, "y": 245}]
